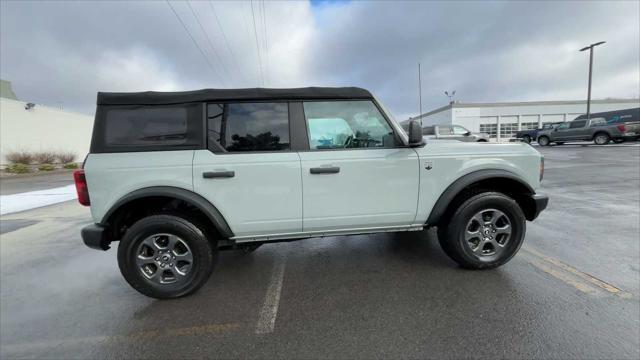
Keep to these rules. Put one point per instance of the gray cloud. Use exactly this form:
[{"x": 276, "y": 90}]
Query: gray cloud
[{"x": 487, "y": 51}]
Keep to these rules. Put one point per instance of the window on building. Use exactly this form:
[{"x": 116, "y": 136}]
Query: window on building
[
  {"x": 346, "y": 124},
  {"x": 238, "y": 127},
  {"x": 491, "y": 129},
  {"x": 508, "y": 130},
  {"x": 529, "y": 125}
]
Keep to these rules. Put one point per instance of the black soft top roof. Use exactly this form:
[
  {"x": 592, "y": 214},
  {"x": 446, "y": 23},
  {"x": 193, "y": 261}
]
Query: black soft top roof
[{"x": 162, "y": 98}]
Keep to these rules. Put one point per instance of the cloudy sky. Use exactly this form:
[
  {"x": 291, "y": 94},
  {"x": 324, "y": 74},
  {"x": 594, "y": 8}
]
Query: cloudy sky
[{"x": 64, "y": 52}]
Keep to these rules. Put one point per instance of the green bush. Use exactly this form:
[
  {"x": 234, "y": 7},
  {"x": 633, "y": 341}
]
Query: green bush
[
  {"x": 70, "y": 166},
  {"x": 20, "y": 157},
  {"x": 46, "y": 167},
  {"x": 18, "y": 168}
]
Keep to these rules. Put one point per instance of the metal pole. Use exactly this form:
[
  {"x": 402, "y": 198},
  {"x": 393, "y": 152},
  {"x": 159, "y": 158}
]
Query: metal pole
[
  {"x": 589, "y": 91},
  {"x": 420, "y": 93}
]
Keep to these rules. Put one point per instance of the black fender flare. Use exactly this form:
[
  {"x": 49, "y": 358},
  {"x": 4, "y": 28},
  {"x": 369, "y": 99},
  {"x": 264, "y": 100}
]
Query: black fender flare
[
  {"x": 212, "y": 213},
  {"x": 464, "y": 181}
]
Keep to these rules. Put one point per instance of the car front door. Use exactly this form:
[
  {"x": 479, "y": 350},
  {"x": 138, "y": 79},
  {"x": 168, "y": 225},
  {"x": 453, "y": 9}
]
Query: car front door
[
  {"x": 249, "y": 171},
  {"x": 356, "y": 174},
  {"x": 560, "y": 133},
  {"x": 578, "y": 130}
]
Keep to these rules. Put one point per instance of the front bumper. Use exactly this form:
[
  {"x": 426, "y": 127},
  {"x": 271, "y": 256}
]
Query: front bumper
[
  {"x": 538, "y": 203},
  {"x": 94, "y": 236}
]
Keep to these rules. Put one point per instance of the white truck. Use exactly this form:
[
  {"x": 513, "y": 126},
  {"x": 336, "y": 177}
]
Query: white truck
[{"x": 176, "y": 177}]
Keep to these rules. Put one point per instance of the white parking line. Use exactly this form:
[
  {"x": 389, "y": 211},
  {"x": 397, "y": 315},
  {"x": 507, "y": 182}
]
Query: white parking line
[
  {"x": 35, "y": 199},
  {"x": 267, "y": 319}
]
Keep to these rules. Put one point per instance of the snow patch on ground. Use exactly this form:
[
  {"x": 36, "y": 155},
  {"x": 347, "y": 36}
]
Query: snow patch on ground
[{"x": 35, "y": 199}]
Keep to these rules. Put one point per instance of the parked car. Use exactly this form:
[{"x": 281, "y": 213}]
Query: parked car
[
  {"x": 594, "y": 129},
  {"x": 177, "y": 177},
  {"x": 453, "y": 132},
  {"x": 628, "y": 118},
  {"x": 532, "y": 134}
]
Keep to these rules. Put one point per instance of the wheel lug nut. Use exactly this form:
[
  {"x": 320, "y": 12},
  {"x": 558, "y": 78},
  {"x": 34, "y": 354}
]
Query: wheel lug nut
[{"x": 171, "y": 264}]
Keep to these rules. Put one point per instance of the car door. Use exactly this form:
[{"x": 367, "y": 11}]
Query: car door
[
  {"x": 461, "y": 134},
  {"x": 249, "y": 171},
  {"x": 560, "y": 133},
  {"x": 578, "y": 130},
  {"x": 356, "y": 174}
]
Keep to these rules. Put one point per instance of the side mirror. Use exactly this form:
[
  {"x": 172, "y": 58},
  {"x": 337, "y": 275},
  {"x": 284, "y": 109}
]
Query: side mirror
[
  {"x": 467, "y": 133},
  {"x": 415, "y": 133}
]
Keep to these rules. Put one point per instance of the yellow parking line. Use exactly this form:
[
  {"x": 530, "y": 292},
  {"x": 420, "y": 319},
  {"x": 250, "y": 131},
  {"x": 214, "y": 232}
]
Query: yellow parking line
[
  {"x": 149, "y": 334},
  {"x": 559, "y": 265}
]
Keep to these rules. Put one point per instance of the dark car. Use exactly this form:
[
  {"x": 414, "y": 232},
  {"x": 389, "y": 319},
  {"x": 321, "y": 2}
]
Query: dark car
[{"x": 532, "y": 134}]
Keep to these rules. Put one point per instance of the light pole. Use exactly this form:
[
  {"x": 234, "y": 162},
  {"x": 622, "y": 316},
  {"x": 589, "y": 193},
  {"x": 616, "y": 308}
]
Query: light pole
[
  {"x": 590, "y": 48},
  {"x": 420, "y": 94},
  {"x": 450, "y": 95}
]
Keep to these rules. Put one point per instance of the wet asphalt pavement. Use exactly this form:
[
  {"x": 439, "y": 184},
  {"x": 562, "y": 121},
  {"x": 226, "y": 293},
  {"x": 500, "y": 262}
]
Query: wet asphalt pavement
[{"x": 572, "y": 292}]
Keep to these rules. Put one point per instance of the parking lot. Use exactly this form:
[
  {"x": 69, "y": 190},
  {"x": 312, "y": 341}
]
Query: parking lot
[{"x": 573, "y": 291}]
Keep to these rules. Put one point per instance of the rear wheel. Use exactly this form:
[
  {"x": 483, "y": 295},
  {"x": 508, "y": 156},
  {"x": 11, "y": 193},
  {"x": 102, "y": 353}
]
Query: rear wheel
[
  {"x": 484, "y": 232},
  {"x": 166, "y": 256},
  {"x": 601, "y": 139},
  {"x": 543, "y": 141}
]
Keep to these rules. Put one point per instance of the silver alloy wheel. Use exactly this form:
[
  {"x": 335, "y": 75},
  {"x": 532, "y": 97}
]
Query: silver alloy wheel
[
  {"x": 602, "y": 139},
  {"x": 488, "y": 232},
  {"x": 164, "y": 259}
]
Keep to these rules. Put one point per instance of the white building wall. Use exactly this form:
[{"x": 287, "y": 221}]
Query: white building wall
[
  {"x": 42, "y": 128},
  {"x": 485, "y": 117}
]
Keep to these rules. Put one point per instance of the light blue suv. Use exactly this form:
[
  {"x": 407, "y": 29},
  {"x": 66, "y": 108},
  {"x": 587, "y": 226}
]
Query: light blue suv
[{"x": 176, "y": 177}]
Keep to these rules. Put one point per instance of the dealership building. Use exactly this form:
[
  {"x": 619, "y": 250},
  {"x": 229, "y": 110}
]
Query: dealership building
[{"x": 502, "y": 120}]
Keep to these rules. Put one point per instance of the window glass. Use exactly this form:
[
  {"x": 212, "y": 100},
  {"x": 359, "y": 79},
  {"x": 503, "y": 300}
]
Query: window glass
[
  {"x": 598, "y": 122},
  {"x": 444, "y": 130},
  {"x": 346, "y": 124},
  {"x": 153, "y": 126},
  {"x": 577, "y": 124},
  {"x": 459, "y": 130},
  {"x": 563, "y": 126},
  {"x": 238, "y": 127}
]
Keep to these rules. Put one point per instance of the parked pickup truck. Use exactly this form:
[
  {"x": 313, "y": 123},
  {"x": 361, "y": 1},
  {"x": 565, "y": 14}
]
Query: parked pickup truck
[
  {"x": 629, "y": 118},
  {"x": 532, "y": 134},
  {"x": 177, "y": 177},
  {"x": 453, "y": 132},
  {"x": 594, "y": 129}
]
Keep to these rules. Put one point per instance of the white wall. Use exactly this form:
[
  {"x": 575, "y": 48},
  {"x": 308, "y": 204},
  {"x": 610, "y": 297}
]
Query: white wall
[
  {"x": 443, "y": 117},
  {"x": 42, "y": 128}
]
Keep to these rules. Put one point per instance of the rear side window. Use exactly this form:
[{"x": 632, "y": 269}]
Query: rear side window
[
  {"x": 148, "y": 128},
  {"x": 241, "y": 127}
]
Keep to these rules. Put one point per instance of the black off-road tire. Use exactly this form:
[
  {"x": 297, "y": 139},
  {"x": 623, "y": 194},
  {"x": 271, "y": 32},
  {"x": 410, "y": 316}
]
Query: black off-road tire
[
  {"x": 451, "y": 235},
  {"x": 543, "y": 141},
  {"x": 204, "y": 252}
]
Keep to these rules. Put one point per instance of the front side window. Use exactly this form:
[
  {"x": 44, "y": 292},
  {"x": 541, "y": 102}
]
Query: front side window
[
  {"x": 563, "y": 126},
  {"x": 459, "y": 130},
  {"x": 577, "y": 124},
  {"x": 238, "y": 127},
  {"x": 346, "y": 124}
]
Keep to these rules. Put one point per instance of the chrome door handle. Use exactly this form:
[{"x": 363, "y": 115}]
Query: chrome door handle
[
  {"x": 218, "y": 174},
  {"x": 325, "y": 170}
]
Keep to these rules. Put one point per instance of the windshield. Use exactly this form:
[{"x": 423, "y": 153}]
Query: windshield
[{"x": 401, "y": 131}]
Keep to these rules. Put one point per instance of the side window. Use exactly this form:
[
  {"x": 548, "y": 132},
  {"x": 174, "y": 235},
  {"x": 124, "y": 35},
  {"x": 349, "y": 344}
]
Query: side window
[
  {"x": 346, "y": 124},
  {"x": 577, "y": 124},
  {"x": 563, "y": 126},
  {"x": 152, "y": 127},
  {"x": 444, "y": 130},
  {"x": 459, "y": 130},
  {"x": 238, "y": 127},
  {"x": 598, "y": 122}
]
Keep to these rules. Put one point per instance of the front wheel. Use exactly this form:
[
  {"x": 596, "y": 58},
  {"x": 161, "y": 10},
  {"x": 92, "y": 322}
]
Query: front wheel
[
  {"x": 543, "y": 141},
  {"x": 527, "y": 139},
  {"x": 166, "y": 256},
  {"x": 484, "y": 232}
]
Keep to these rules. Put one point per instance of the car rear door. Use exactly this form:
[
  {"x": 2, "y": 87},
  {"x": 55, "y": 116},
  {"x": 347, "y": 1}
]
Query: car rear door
[
  {"x": 249, "y": 171},
  {"x": 578, "y": 130},
  {"x": 356, "y": 174}
]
